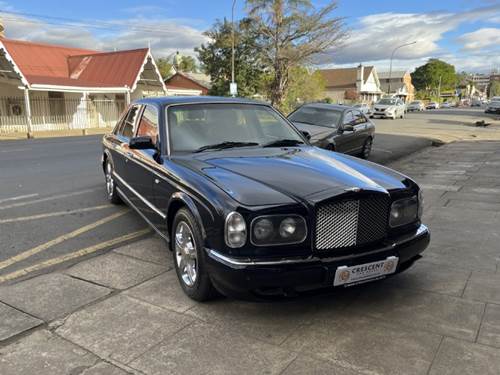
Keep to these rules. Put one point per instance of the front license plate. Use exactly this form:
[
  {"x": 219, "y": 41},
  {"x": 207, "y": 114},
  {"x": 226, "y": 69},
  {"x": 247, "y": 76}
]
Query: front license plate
[{"x": 364, "y": 272}]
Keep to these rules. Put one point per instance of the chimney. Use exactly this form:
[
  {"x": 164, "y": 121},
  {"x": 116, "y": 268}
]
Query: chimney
[{"x": 360, "y": 73}]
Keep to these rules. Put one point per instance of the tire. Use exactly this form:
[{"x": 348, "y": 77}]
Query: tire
[
  {"x": 111, "y": 191},
  {"x": 367, "y": 148},
  {"x": 189, "y": 259}
]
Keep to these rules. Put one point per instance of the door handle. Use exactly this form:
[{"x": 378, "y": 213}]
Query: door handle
[{"x": 157, "y": 181}]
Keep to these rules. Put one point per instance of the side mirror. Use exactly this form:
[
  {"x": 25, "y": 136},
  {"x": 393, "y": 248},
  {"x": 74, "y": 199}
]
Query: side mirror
[
  {"x": 306, "y": 135},
  {"x": 348, "y": 128},
  {"x": 141, "y": 143}
]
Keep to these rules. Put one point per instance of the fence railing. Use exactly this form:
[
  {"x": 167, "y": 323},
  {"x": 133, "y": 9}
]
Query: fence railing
[{"x": 58, "y": 114}]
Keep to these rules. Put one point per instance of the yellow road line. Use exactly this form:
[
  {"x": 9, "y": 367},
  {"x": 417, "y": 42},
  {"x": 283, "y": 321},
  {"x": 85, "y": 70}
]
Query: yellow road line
[
  {"x": 58, "y": 240},
  {"x": 18, "y": 197},
  {"x": 53, "y": 197},
  {"x": 51, "y": 214},
  {"x": 76, "y": 254}
]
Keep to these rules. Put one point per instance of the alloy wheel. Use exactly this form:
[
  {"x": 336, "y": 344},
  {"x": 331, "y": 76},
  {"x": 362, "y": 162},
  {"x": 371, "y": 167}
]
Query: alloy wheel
[
  {"x": 185, "y": 254},
  {"x": 110, "y": 183}
]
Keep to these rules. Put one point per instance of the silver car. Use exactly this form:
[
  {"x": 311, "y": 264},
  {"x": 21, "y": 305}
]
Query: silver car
[
  {"x": 416, "y": 105},
  {"x": 389, "y": 108}
]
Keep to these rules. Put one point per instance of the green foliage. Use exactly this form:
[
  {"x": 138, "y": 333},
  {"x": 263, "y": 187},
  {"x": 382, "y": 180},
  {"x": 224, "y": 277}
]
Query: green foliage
[
  {"x": 304, "y": 86},
  {"x": 494, "y": 88},
  {"x": 289, "y": 33},
  {"x": 215, "y": 57},
  {"x": 164, "y": 66},
  {"x": 188, "y": 64},
  {"x": 427, "y": 77}
]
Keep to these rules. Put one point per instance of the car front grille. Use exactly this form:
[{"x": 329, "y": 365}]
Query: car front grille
[{"x": 351, "y": 223}]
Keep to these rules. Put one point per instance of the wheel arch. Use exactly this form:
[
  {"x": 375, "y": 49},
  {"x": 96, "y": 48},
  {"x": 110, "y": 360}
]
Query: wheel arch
[{"x": 182, "y": 200}]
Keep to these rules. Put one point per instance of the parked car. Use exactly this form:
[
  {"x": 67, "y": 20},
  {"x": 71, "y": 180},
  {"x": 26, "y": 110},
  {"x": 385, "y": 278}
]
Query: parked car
[
  {"x": 389, "y": 108},
  {"x": 416, "y": 105},
  {"x": 432, "y": 105},
  {"x": 249, "y": 208},
  {"x": 447, "y": 105},
  {"x": 336, "y": 128},
  {"x": 493, "y": 106},
  {"x": 476, "y": 102},
  {"x": 364, "y": 108}
]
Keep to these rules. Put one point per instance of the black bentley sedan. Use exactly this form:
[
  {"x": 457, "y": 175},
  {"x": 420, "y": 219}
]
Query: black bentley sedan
[
  {"x": 336, "y": 128},
  {"x": 249, "y": 208}
]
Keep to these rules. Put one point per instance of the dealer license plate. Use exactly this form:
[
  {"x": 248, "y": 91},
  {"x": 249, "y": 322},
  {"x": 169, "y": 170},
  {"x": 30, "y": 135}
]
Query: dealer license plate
[{"x": 365, "y": 272}]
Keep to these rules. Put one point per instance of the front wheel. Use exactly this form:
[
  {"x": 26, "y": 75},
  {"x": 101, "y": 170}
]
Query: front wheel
[
  {"x": 111, "y": 191},
  {"x": 189, "y": 261},
  {"x": 367, "y": 148}
]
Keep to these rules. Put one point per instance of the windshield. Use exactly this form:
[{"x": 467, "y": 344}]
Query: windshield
[
  {"x": 387, "y": 101},
  {"x": 416, "y": 103},
  {"x": 316, "y": 116},
  {"x": 193, "y": 127}
]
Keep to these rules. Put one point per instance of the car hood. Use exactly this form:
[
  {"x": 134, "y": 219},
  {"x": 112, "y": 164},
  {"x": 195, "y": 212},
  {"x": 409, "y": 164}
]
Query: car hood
[
  {"x": 317, "y": 132},
  {"x": 257, "y": 176}
]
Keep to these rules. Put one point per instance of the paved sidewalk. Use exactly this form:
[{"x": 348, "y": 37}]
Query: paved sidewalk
[{"x": 123, "y": 312}]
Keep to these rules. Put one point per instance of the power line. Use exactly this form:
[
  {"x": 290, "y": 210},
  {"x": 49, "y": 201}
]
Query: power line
[{"x": 71, "y": 22}]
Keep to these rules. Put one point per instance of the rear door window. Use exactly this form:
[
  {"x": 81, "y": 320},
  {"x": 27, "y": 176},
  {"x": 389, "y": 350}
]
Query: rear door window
[{"x": 128, "y": 126}]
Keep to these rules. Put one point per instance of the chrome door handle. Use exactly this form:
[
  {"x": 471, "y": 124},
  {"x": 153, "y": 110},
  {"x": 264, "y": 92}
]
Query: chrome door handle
[{"x": 157, "y": 181}]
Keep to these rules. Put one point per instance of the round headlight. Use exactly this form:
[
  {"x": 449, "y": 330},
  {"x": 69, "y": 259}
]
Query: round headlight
[
  {"x": 288, "y": 227},
  {"x": 235, "y": 230},
  {"x": 263, "y": 229}
]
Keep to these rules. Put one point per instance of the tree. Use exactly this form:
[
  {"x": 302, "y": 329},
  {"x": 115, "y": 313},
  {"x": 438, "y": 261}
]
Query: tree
[
  {"x": 290, "y": 33},
  {"x": 215, "y": 57},
  {"x": 188, "y": 64},
  {"x": 164, "y": 66},
  {"x": 494, "y": 89},
  {"x": 429, "y": 76},
  {"x": 305, "y": 86}
]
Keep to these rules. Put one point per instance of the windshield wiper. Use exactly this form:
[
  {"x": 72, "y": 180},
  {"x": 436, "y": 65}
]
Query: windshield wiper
[
  {"x": 283, "y": 143},
  {"x": 226, "y": 144}
]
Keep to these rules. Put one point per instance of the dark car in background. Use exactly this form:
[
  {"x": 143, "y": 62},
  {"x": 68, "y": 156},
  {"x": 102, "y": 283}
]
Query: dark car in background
[
  {"x": 249, "y": 208},
  {"x": 336, "y": 128}
]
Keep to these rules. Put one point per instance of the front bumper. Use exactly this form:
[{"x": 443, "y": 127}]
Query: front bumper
[
  {"x": 242, "y": 277},
  {"x": 492, "y": 110},
  {"x": 383, "y": 114}
]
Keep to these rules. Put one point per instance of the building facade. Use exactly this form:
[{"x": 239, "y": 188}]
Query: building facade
[
  {"x": 397, "y": 83},
  {"x": 352, "y": 84}
]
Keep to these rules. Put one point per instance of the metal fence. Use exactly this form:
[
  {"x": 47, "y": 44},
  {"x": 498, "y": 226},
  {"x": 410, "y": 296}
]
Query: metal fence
[{"x": 58, "y": 114}]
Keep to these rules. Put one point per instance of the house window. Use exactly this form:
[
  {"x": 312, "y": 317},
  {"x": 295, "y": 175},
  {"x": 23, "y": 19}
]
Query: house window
[{"x": 57, "y": 106}]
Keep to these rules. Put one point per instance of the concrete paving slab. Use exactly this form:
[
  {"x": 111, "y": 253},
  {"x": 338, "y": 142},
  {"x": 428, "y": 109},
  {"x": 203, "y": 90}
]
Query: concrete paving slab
[
  {"x": 152, "y": 249},
  {"x": 270, "y": 322},
  {"x": 367, "y": 345},
  {"x": 43, "y": 353},
  {"x": 483, "y": 287},
  {"x": 314, "y": 366},
  {"x": 121, "y": 328},
  {"x": 104, "y": 368},
  {"x": 473, "y": 197},
  {"x": 164, "y": 291},
  {"x": 468, "y": 205},
  {"x": 489, "y": 333},
  {"x": 464, "y": 358},
  {"x": 420, "y": 310},
  {"x": 14, "y": 322},
  {"x": 433, "y": 278},
  {"x": 116, "y": 270},
  {"x": 461, "y": 258},
  {"x": 205, "y": 349},
  {"x": 51, "y": 296}
]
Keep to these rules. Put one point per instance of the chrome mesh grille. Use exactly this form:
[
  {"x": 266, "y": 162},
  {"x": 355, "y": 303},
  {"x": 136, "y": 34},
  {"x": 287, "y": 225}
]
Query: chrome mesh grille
[{"x": 351, "y": 222}]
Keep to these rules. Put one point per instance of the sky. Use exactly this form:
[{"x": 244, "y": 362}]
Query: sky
[{"x": 463, "y": 33}]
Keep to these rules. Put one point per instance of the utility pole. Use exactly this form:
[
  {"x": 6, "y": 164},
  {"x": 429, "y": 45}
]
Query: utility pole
[
  {"x": 390, "y": 68},
  {"x": 233, "y": 88},
  {"x": 439, "y": 90}
]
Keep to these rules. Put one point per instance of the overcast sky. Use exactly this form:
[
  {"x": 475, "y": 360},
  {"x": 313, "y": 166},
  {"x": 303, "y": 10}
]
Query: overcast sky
[{"x": 464, "y": 33}]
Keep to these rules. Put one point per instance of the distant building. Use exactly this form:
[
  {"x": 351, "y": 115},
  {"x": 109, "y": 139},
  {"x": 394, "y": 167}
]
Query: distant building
[
  {"x": 400, "y": 84},
  {"x": 360, "y": 83},
  {"x": 480, "y": 81},
  {"x": 187, "y": 83}
]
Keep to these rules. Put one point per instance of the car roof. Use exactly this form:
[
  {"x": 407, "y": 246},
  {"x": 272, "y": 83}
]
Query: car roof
[
  {"x": 168, "y": 100},
  {"x": 335, "y": 107}
]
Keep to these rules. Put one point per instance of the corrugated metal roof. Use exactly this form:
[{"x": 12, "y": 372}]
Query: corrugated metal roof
[{"x": 58, "y": 65}]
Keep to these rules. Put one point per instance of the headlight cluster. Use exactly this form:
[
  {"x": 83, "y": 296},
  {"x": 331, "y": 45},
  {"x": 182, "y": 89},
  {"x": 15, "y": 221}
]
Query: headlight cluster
[
  {"x": 278, "y": 230},
  {"x": 405, "y": 211}
]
